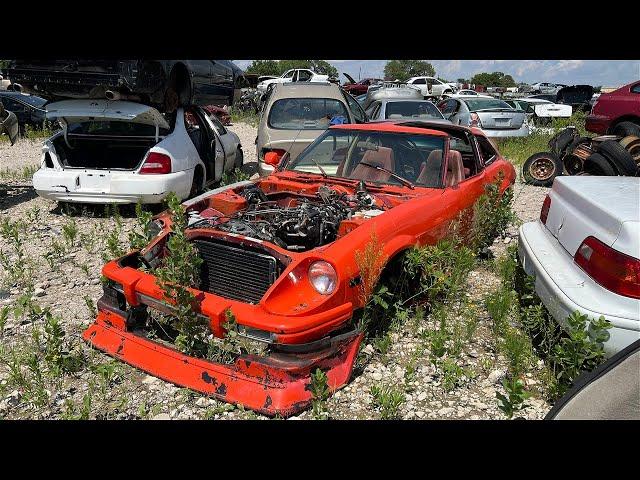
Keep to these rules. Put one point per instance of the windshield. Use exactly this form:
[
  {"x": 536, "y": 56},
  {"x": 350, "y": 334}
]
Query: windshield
[
  {"x": 362, "y": 155},
  {"x": 305, "y": 113},
  {"x": 476, "y": 104},
  {"x": 412, "y": 110},
  {"x": 32, "y": 100}
]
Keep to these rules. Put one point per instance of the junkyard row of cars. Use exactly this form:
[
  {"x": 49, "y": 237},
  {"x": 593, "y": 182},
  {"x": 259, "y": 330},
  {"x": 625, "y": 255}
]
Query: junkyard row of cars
[{"x": 279, "y": 251}]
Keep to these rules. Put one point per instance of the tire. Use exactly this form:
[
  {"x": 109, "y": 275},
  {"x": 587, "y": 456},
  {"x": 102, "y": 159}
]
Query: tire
[
  {"x": 596, "y": 164},
  {"x": 541, "y": 168},
  {"x": 619, "y": 157},
  {"x": 632, "y": 145},
  {"x": 239, "y": 159},
  {"x": 624, "y": 129},
  {"x": 196, "y": 184}
]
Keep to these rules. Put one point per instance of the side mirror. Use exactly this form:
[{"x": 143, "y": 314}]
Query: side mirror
[{"x": 272, "y": 158}]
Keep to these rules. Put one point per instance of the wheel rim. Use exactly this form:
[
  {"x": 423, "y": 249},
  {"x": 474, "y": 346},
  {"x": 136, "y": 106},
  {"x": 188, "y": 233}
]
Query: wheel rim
[
  {"x": 573, "y": 164},
  {"x": 542, "y": 168}
]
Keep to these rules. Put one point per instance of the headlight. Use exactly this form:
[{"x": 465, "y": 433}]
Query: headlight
[{"x": 323, "y": 277}]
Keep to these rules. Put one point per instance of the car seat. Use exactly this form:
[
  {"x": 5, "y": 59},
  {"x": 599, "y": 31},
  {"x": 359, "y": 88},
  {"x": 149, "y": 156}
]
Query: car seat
[
  {"x": 455, "y": 169},
  {"x": 430, "y": 170},
  {"x": 382, "y": 157}
]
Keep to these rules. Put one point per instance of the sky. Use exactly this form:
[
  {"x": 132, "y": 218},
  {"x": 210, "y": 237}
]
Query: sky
[{"x": 592, "y": 72}]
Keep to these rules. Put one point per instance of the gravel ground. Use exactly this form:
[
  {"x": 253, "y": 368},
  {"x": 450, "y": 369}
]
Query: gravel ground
[{"x": 71, "y": 282}]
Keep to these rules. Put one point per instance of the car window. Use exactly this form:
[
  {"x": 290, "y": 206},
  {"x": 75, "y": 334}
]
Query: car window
[
  {"x": 304, "y": 75},
  {"x": 217, "y": 124},
  {"x": 635, "y": 88},
  {"x": 419, "y": 81},
  {"x": 412, "y": 109},
  {"x": 356, "y": 109},
  {"x": 487, "y": 152},
  {"x": 288, "y": 74},
  {"x": 344, "y": 153},
  {"x": 449, "y": 107},
  {"x": 435, "y": 81},
  {"x": 476, "y": 104},
  {"x": 305, "y": 113}
]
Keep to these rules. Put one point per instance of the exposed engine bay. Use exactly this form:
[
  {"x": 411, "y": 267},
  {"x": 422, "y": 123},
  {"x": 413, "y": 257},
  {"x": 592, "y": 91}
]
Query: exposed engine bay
[{"x": 293, "y": 221}]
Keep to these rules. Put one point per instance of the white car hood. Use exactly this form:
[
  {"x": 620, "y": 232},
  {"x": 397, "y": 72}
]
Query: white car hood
[{"x": 77, "y": 111}]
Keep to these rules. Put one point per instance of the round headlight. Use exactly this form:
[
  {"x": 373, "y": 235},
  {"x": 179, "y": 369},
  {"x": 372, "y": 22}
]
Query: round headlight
[{"x": 323, "y": 277}]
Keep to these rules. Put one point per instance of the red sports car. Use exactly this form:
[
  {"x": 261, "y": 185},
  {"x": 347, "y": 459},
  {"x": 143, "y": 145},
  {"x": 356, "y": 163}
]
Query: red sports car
[
  {"x": 616, "y": 113},
  {"x": 361, "y": 87},
  {"x": 279, "y": 254}
]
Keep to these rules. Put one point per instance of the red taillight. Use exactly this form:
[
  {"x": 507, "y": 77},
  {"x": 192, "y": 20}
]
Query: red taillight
[
  {"x": 612, "y": 269},
  {"x": 544, "y": 213},
  {"x": 156, "y": 163},
  {"x": 474, "y": 120}
]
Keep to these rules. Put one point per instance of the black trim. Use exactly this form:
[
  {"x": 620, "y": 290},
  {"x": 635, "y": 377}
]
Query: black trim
[{"x": 589, "y": 377}]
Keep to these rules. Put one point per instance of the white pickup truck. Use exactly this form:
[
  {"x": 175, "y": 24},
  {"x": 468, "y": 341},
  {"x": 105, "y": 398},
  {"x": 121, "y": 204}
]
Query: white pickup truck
[{"x": 584, "y": 252}]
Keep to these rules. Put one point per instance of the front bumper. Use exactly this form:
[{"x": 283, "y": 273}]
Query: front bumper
[
  {"x": 596, "y": 124},
  {"x": 278, "y": 384},
  {"x": 564, "y": 287},
  {"x": 104, "y": 186}
]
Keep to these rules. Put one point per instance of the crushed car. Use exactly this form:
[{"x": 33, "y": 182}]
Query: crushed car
[
  {"x": 163, "y": 84},
  {"x": 279, "y": 256},
  {"x": 584, "y": 253},
  {"x": 572, "y": 154},
  {"x": 126, "y": 152},
  {"x": 30, "y": 109}
]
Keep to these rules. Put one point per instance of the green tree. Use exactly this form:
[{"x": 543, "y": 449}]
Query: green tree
[
  {"x": 495, "y": 79},
  {"x": 264, "y": 67},
  {"x": 405, "y": 69}
]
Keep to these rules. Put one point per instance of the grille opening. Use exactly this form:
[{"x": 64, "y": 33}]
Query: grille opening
[{"x": 234, "y": 272}]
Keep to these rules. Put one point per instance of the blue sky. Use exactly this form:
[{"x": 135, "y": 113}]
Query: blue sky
[{"x": 592, "y": 72}]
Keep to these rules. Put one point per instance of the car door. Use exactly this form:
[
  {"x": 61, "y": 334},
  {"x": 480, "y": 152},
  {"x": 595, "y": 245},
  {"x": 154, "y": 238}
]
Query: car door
[
  {"x": 357, "y": 113},
  {"x": 227, "y": 142},
  {"x": 421, "y": 83}
]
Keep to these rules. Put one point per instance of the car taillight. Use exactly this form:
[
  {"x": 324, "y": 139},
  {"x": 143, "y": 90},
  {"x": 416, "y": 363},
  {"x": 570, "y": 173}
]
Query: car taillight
[
  {"x": 614, "y": 270},
  {"x": 474, "y": 120},
  {"x": 278, "y": 151},
  {"x": 156, "y": 163},
  {"x": 544, "y": 213}
]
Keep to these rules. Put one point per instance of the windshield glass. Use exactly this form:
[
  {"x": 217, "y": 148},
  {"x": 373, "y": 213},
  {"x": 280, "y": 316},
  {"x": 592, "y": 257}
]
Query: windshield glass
[
  {"x": 32, "y": 100},
  {"x": 305, "y": 113},
  {"x": 346, "y": 153},
  {"x": 412, "y": 110},
  {"x": 476, "y": 104}
]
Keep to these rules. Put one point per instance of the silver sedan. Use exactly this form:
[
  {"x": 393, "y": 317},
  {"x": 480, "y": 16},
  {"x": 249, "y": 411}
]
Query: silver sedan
[
  {"x": 385, "y": 109},
  {"x": 496, "y": 118}
]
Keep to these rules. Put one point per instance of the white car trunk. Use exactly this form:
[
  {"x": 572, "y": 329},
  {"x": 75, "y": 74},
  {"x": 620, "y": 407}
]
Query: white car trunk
[{"x": 607, "y": 208}]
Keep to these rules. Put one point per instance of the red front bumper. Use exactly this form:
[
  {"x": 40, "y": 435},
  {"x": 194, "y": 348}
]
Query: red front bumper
[{"x": 274, "y": 384}]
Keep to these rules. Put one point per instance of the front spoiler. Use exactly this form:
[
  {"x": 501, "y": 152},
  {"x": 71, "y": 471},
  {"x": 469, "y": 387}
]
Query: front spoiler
[{"x": 278, "y": 384}]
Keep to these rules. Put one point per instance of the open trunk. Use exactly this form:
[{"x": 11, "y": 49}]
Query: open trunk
[{"x": 102, "y": 152}]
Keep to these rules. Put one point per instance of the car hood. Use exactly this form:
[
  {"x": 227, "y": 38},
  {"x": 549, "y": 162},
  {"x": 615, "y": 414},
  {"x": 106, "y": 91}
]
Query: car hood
[
  {"x": 77, "y": 111},
  {"x": 349, "y": 77}
]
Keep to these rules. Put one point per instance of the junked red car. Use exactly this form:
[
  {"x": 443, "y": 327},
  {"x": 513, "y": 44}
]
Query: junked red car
[
  {"x": 280, "y": 253},
  {"x": 616, "y": 113},
  {"x": 359, "y": 88}
]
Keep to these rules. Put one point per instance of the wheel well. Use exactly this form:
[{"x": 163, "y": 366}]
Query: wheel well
[
  {"x": 180, "y": 81},
  {"x": 625, "y": 118}
]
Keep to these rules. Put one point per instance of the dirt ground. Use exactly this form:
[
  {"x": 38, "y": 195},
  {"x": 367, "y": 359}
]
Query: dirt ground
[{"x": 71, "y": 284}]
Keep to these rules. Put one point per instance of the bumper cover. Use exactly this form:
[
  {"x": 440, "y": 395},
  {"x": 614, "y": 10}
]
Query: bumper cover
[
  {"x": 563, "y": 287},
  {"x": 277, "y": 384}
]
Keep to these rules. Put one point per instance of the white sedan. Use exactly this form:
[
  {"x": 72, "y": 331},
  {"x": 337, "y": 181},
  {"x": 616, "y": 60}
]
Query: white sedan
[
  {"x": 293, "y": 75},
  {"x": 431, "y": 87},
  {"x": 126, "y": 152},
  {"x": 584, "y": 252}
]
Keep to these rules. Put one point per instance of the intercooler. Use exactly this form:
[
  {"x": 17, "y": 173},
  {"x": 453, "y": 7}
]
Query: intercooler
[{"x": 235, "y": 273}]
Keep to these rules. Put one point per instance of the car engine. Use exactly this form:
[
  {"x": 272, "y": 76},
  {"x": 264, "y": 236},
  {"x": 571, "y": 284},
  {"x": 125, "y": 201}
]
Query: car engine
[{"x": 293, "y": 222}]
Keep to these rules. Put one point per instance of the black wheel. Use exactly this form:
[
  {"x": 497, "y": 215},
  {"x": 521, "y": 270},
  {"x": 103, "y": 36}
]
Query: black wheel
[
  {"x": 239, "y": 158},
  {"x": 624, "y": 129},
  {"x": 619, "y": 157},
  {"x": 541, "y": 168},
  {"x": 196, "y": 185},
  {"x": 573, "y": 164},
  {"x": 596, "y": 164}
]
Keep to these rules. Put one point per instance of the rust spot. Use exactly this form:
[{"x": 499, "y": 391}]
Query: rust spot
[
  {"x": 120, "y": 348},
  {"x": 267, "y": 402},
  {"x": 209, "y": 379},
  {"x": 222, "y": 389}
]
